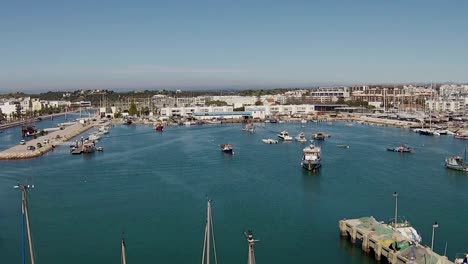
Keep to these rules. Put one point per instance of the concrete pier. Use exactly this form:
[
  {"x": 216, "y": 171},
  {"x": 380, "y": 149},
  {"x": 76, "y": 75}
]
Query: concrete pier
[
  {"x": 386, "y": 242},
  {"x": 47, "y": 142}
]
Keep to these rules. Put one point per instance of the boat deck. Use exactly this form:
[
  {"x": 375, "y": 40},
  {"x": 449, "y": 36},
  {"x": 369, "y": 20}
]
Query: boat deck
[{"x": 380, "y": 238}]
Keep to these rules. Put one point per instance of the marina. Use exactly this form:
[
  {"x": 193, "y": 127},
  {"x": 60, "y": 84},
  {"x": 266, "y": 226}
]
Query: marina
[{"x": 247, "y": 195}]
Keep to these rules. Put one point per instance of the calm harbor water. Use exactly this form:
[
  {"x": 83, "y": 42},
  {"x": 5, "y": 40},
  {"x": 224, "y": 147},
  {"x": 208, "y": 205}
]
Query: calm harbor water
[{"x": 153, "y": 186}]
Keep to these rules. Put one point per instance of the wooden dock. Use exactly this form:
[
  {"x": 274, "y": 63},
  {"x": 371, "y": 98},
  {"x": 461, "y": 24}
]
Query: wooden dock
[{"x": 382, "y": 240}]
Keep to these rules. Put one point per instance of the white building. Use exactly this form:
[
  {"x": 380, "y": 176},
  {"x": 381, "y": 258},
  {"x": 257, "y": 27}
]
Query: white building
[
  {"x": 235, "y": 100},
  {"x": 330, "y": 94},
  {"x": 269, "y": 110},
  {"x": 8, "y": 108},
  {"x": 189, "y": 111},
  {"x": 36, "y": 104},
  {"x": 443, "y": 105}
]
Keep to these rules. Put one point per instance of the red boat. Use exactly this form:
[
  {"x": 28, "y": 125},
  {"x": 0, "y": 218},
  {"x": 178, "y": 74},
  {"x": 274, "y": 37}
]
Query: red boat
[
  {"x": 159, "y": 128},
  {"x": 461, "y": 136}
]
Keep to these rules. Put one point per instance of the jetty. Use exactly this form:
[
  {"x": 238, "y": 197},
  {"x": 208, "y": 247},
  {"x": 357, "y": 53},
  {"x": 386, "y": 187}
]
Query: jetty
[
  {"x": 384, "y": 241},
  {"x": 46, "y": 143}
]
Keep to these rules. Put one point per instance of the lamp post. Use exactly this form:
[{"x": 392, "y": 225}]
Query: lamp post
[
  {"x": 395, "y": 194},
  {"x": 434, "y": 226}
]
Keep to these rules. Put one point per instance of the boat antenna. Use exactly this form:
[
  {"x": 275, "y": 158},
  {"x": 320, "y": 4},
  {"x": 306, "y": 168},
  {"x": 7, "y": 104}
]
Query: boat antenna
[{"x": 26, "y": 224}]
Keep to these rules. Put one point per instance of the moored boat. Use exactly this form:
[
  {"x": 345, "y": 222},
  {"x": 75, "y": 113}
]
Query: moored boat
[
  {"x": 401, "y": 148},
  {"x": 270, "y": 141},
  {"x": 320, "y": 136},
  {"x": 311, "y": 159},
  {"x": 459, "y": 136},
  {"x": 227, "y": 148},
  {"x": 457, "y": 163},
  {"x": 249, "y": 128},
  {"x": 284, "y": 135},
  {"x": 301, "y": 137},
  {"x": 159, "y": 127}
]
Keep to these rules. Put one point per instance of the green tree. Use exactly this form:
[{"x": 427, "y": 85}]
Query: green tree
[
  {"x": 133, "y": 109},
  {"x": 258, "y": 102},
  {"x": 216, "y": 103}
]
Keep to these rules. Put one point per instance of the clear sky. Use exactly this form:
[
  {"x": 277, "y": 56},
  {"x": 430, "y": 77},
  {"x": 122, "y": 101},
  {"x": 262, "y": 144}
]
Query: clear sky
[{"x": 65, "y": 45}]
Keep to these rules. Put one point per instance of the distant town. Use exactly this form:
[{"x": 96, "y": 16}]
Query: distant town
[{"x": 449, "y": 99}]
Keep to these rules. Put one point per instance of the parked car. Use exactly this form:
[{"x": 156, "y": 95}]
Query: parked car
[
  {"x": 31, "y": 148},
  {"x": 23, "y": 142}
]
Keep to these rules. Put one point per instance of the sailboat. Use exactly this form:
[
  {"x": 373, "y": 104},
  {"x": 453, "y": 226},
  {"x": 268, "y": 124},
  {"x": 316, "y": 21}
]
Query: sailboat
[
  {"x": 457, "y": 163},
  {"x": 209, "y": 237},
  {"x": 430, "y": 131},
  {"x": 26, "y": 227}
]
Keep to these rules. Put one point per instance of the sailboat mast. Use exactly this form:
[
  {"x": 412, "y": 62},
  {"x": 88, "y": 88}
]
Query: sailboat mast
[
  {"x": 208, "y": 229},
  {"x": 26, "y": 224},
  {"x": 251, "y": 242},
  {"x": 123, "y": 254}
]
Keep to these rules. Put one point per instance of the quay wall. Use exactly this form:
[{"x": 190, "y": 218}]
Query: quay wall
[{"x": 55, "y": 138}]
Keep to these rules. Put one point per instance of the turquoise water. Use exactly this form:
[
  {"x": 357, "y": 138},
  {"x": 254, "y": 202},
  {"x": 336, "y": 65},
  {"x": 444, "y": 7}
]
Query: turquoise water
[{"x": 153, "y": 186}]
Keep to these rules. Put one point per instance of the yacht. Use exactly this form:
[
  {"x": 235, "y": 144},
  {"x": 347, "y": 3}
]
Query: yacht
[
  {"x": 311, "y": 160},
  {"x": 284, "y": 135}
]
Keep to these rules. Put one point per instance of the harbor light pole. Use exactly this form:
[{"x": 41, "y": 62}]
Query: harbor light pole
[
  {"x": 395, "y": 194},
  {"x": 434, "y": 226}
]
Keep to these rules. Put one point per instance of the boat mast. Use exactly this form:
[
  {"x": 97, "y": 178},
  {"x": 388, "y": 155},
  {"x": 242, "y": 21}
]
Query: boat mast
[
  {"x": 209, "y": 234},
  {"x": 251, "y": 241},
  {"x": 26, "y": 225},
  {"x": 123, "y": 254}
]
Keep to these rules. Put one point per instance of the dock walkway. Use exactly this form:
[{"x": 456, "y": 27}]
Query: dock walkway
[
  {"x": 388, "y": 242},
  {"x": 53, "y": 139}
]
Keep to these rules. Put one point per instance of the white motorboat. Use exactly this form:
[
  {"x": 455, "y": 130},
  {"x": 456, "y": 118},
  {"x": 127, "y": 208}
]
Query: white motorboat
[
  {"x": 284, "y": 135},
  {"x": 303, "y": 121},
  {"x": 270, "y": 141},
  {"x": 301, "y": 137}
]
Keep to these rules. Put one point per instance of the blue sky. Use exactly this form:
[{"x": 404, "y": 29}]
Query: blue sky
[{"x": 65, "y": 45}]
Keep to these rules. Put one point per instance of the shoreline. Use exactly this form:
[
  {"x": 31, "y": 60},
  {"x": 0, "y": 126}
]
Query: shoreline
[{"x": 21, "y": 122}]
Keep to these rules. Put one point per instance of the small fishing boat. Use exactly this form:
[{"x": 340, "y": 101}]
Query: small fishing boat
[
  {"x": 320, "y": 136},
  {"x": 401, "y": 148},
  {"x": 457, "y": 163},
  {"x": 284, "y": 135},
  {"x": 100, "y": 149},
  {"x": 270, "y": 141},
  {"x": 303, "y": 121},
  {"x": 461, "y": 258},
  {"x": 343, "y": 146},
  {"x": 88, "y": 148},
  {"x": 249, "y": 128},
  {"x": 159, "y": 127},
  {"x": 301, "y": 137},
  {"x": 311, "y": 159},
  {"x": 227, "y": 148}
]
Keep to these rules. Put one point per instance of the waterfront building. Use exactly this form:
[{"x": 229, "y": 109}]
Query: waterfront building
[
  {"x": 330, "y": 94},
  {"x": 235, "y": 100},
  {"x": 270, "y": 110},
  {"x": 189, "y": 111}
]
